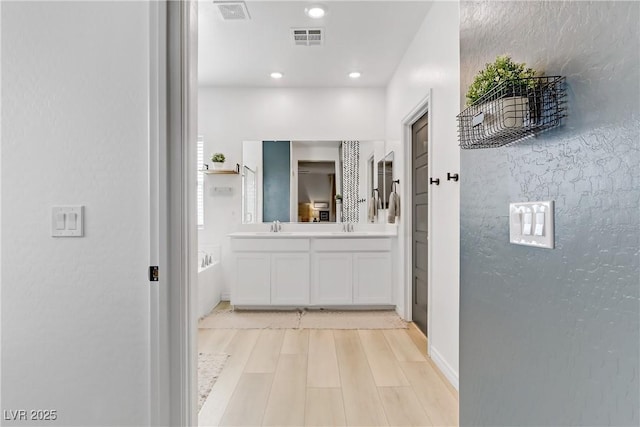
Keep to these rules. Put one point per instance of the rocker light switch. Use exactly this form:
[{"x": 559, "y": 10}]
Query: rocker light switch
[
  {"x": 526, "y": 229},
  {"x": 537, "y": 224},
  {"x": 60, "y": 217},
  {"x": 539, "y": 229},
  {"x": 66, "y": 221}
]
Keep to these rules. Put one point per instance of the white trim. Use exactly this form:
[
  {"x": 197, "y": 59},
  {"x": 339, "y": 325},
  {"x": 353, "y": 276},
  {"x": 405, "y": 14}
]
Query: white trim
[
  {"x": 181, "y": 271},
  {"x": 444, "y": 367},
  {"x": 424, "y": 106},
  {"x": 159, "y": 381}
]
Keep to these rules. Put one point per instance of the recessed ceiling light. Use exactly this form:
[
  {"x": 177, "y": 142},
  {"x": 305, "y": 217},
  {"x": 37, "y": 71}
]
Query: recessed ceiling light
[
  {"x": 316, "y": 11},
  {"x": 354, "y": 75},
  {"x": 276, "y": 75}
]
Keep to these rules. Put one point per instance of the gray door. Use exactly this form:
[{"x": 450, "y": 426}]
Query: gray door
[{"x": 419, "y": 155}]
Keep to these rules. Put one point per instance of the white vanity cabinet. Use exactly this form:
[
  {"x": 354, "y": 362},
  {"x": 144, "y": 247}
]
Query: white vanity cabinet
[
  {"x": 270, "y": 272},
  {"x": 290, "y": 278},
  {"x": 318, "y": 271},
  {"x": 333, "y": 278},
  {"x": 352, "y": 271}
]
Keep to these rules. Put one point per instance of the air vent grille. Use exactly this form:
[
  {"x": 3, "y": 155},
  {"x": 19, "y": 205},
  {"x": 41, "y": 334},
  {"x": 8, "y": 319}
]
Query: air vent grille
[
  {"x": 232, "y": 10},
  {"x": 307, "y": 36}
]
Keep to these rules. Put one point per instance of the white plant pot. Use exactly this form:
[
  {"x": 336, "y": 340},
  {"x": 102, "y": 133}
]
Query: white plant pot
[
  {"x": 509, "y": 113},
  {"x": 218, "y": 165}
]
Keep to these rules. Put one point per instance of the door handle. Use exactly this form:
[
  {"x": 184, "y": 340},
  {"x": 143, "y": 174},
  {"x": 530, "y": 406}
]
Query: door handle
[{"x": 434, "y": 181}]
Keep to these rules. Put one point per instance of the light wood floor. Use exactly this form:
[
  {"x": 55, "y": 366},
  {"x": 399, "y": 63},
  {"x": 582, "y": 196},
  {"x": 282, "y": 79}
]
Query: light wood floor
[{"x": 293, "y": 377}]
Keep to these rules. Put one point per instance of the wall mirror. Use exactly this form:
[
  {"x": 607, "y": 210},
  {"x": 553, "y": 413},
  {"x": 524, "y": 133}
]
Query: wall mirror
[
  {"x": 309, "y": 181},
  {"x": 385, "y": 177}
]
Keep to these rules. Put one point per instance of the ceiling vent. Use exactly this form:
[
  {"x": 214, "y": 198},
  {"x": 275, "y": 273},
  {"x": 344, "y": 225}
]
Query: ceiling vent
[
  {"x": 307, "y": 36},
  {"x": 232, "y": 10}
]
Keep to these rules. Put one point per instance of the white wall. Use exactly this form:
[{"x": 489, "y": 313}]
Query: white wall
[
  {"x": 228, "y": 116},
  {"x": 75, "y": 311},
  {"x": 432, "y": 61}
]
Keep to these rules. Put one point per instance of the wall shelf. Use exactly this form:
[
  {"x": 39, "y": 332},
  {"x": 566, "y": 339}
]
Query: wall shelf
[
  {"x": 235, "y": 171},
  {"x": 514, "y": 110}
]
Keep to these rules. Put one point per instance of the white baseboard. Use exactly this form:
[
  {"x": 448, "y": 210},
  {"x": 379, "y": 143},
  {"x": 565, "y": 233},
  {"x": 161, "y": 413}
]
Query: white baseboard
[{"x": 444, "y": 367}]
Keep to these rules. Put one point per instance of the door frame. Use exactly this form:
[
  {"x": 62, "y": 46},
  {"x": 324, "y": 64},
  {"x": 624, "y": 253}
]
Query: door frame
[
  {"x": 173, "y": 30},
  {"x": 422, "y": 107}
]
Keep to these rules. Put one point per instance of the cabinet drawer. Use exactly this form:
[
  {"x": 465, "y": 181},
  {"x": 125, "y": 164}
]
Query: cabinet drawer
[
  {"x": 269, "y": 245},
  {"x": 355, "y": 245}
]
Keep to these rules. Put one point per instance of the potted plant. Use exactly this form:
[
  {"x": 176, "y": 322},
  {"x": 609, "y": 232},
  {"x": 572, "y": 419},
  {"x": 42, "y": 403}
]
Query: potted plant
[
  {"x": 218, "y": 160},
  {"x": 502, "y": 85}
]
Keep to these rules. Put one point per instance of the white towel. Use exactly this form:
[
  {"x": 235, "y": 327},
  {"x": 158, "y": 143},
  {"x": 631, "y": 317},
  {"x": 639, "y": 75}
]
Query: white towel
[
  {"x": 372, "y": 209},
  {"x": 394, "y": 207}
]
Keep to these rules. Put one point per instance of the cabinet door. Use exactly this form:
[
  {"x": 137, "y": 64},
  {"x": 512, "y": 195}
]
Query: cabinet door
[
  {"x": 372, "y": 278},
  {"x": 290, "y": 278},
  {"x": 333, "y": 279},
  {"x": 253, "y": 279}
]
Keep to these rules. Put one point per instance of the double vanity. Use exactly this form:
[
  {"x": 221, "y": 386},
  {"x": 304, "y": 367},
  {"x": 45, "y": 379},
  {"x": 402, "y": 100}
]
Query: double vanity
[{"x": 313, "y": 266}]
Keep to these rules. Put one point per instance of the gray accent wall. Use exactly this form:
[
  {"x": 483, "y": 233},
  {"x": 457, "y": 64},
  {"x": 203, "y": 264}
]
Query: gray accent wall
[{"x": 551, "y": 337}]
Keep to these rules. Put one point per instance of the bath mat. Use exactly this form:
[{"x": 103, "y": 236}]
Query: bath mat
[
  {"x": 229, "y": 319},
  {"x": 328, "y": 319},
  {"x": 209, "y": 367},
  {"x": 305, "y": 319}
]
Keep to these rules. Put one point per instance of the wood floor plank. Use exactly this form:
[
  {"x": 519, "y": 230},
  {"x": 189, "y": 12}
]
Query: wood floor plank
[
  {"x": 433, "y": 394},
  {"x": 286, "y": 403},
  {"x": 265, "y": 354},
  {"x": 322, "y": 360},
  {"x": 247, "y": 405},
  {"x": 296, "y": 341},
  {"x": 239, "y": 350},
  {"x": 403, "y": 346},
  {"x": 402, "y": 407},
  {"x": 362, "y": 403},
  {"x": 382, "y": 361},
  {"x": 214, "y": 340},
  {"x": 324, "y": 407}
]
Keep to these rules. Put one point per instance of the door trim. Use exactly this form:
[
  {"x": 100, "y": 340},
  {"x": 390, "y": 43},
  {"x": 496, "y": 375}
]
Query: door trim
[
  {"x": 173, "y": 125},
  {"x": 422, "y": 107}
]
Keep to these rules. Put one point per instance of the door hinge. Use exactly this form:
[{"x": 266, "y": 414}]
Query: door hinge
[{"x": 153, "y": 273}]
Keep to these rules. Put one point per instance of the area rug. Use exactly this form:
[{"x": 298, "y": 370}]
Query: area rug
[
  {"x": 209, "y": 367},
  {"x": 303, "y": 319}
]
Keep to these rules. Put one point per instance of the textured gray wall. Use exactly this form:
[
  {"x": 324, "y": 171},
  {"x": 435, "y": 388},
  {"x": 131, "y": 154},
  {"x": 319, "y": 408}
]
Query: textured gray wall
[{"x": 551, "y": 337}]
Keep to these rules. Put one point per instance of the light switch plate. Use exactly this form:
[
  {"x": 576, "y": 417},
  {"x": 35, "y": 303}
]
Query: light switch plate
[
  {"x": 68, "y": 230},
  {"x": 539, "y": 232}
]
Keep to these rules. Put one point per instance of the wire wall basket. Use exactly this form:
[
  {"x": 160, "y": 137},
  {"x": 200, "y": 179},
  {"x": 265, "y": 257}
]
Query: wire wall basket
[{"x": 512, "y": 111}]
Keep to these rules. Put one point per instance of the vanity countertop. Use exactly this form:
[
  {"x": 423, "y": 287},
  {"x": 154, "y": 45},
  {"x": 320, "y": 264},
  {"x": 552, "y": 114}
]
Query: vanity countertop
[{"x": 311, "y": 234}]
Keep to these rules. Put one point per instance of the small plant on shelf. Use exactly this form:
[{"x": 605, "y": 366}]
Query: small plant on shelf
[
  {"x": 339, "y": 198},
  {"x": 218, "y": 160},
  {"x": 500, "y": 71}
]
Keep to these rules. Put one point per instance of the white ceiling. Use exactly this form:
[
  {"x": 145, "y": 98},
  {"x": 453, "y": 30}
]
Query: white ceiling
[{"x": 366, "y": 36}]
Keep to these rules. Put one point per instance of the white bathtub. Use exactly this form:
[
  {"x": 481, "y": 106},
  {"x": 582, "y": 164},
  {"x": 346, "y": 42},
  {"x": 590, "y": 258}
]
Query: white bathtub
[{"x": 209, "y": 279}]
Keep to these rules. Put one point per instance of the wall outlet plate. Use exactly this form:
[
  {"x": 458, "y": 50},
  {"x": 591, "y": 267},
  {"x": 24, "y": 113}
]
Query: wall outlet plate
[{"x": 532, "y": 224}]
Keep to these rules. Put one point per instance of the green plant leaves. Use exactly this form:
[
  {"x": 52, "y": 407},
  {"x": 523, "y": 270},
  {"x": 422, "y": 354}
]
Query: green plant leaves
[{"x": 502, "y": 70}]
